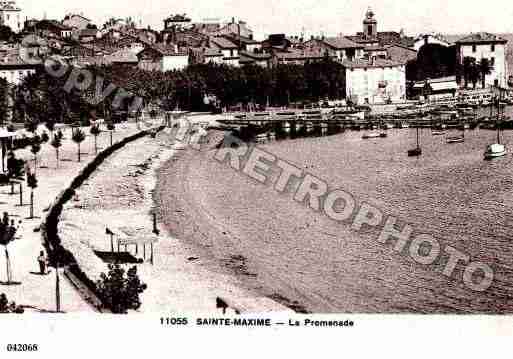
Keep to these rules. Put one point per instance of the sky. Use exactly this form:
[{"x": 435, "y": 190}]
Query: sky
[{"x": 293, "y": 16}]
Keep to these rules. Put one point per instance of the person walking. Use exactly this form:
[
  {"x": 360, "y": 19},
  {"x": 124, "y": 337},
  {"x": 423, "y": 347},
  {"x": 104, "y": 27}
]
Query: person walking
[{"x": 42, "y": 262}]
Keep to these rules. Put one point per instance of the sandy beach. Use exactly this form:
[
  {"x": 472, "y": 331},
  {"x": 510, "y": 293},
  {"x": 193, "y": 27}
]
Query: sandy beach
[{"x": 120, "y": 195}]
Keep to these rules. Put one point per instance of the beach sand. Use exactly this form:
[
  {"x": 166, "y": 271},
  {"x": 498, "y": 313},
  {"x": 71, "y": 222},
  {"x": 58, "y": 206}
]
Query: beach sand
[{"x": 120, "y": 195}]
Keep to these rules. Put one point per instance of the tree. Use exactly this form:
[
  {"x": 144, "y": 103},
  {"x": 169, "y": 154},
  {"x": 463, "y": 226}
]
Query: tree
[
  {"x": 485, "y": 69},
  {"x": 35, "y": 148},
  {"x": 32, "y": 183},
  {"x": 44, "y": 137},
  {"x": 7, "y": 233},
  {"x": 78, "y": 137},
  {"x": 111, "y": 127},
  {"x": 50, "y": 125},
  {"x": 119, "y": 291},
  {"x": 95, "y": 131},
  {"x": 56, "y": 143}
]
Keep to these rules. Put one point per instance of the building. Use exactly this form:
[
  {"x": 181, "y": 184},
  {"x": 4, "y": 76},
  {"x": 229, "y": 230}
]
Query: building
[
  {"x": 14, "y": 69},
  {"x": 241, "y": 28},
  {"x": 10, "y": 15},
  {"x": 299, "y": 56},
  {"x": 400, "y": 53},
  {"x": 255, "y": 58},
  {"x": 75, "y": 21},
  {"x": 375, "y": 81},
  {"x": 160, "y": 57},
  {"x": 228, "y": 48},
  {"x": 339, "y": 48},
  {"x": 51, "y": 28},
  {"x": 480, "y": 46}
]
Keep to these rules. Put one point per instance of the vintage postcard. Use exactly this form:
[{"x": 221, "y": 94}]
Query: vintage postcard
[{"x": 320, "y": 178}]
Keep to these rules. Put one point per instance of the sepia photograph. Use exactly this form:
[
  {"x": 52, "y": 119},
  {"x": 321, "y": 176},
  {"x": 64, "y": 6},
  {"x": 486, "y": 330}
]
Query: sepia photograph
[{"x": 185, "y": 175}]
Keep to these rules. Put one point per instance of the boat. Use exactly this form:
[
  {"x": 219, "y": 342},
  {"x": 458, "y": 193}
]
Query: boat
[
  {"x": 371, "y": 135},
  {"x": 455, "y": 139},
  {"x": 417, "y": 151},
  {"x": 437, "y": 133},
  {"x": 498, "y": 149},
  {"x": 494, "y": 150},
  {"x": 383, "y": 134}
]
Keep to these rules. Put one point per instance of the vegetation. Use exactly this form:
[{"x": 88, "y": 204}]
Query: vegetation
[
  {"x": 41, "y": 96},
  {"x": 36, "y": 147},
  {"x": 32, "y": 183},
  {"x": 120, "y": 291},
  {"x": 56, "y": 143},
  {"x": 95, "y": 131},
  {"x": 78, "y": 137}
]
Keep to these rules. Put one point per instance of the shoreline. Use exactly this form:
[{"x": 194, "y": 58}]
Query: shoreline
[{"x": 180, "y": 279}]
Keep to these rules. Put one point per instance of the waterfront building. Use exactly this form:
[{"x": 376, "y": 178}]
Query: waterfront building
[
  {"x": 375, "y": 81},
  {"x": 480, "y": 46},
  {"x": 10, "y": 15}
]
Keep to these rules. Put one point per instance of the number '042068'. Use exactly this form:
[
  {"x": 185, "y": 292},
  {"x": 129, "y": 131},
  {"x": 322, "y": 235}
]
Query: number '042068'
[{"x": 22, "y": 347}]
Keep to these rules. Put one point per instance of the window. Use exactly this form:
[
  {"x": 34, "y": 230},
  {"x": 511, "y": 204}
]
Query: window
[
  {"x": 492, "y": 47},
  {"x": 473, "y": 48},
  {"x": 369, "y": 30},
  {"x": 492, "y": 61},
  {"x": 231, "y": 53}
]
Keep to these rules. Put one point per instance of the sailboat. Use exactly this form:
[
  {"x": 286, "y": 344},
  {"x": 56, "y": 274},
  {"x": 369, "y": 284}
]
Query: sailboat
[
  {"x": 417, "y": 151},
  {"x": 496, "y": 149}
]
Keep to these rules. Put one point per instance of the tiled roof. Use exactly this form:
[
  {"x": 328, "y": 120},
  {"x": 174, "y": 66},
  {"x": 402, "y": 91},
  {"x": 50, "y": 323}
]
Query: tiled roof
[
  {"x": 223, "y": 43},
  {"x": 480, "y": 37},
  {"x": 361, "y": 63},
  {"x": 166, "y": 50},
  {"x": 341, "y": 43},
  {"x": 300, "y": 55}
]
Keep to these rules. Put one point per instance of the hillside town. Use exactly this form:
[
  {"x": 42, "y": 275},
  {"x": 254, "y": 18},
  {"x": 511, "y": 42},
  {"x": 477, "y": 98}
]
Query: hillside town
[{"x": 378, "y": 66}]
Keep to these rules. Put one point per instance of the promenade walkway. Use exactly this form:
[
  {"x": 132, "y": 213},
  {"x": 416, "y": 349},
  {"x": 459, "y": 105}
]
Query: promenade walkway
[{"x": 37, "y": 292}]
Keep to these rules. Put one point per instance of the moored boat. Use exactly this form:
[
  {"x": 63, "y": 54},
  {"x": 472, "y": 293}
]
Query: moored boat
[{"x": 494, "y": 150}]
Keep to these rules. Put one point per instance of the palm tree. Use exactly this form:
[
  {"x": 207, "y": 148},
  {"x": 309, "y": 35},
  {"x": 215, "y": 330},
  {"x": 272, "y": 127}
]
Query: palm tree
[
  {"x": 78, "y": 137},
  {"x": 111, "y": 127},
  {"x": 36, "y": 147},
  {"x": 56, "y": 143},
  {"x": 485, "y": 69},
  {"x": 32, "y": 183},
  {"x": 467, "y": 65},
  {"x": 95, "y": 131}
]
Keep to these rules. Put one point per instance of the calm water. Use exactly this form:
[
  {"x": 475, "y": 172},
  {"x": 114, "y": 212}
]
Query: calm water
[{"x": 449, "y": 192}]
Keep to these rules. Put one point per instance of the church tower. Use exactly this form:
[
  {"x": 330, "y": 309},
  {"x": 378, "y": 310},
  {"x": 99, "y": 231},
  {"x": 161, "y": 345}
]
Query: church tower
[{"x": 370, "y": 25}]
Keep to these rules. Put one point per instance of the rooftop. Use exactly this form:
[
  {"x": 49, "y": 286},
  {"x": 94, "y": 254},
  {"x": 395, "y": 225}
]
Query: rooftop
[
  {"x": 341, "y": 43},
  {"x": 480, "y": 37},
  {"x": 223, "y": 43},
  {"x": 362, "y": 63}
]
